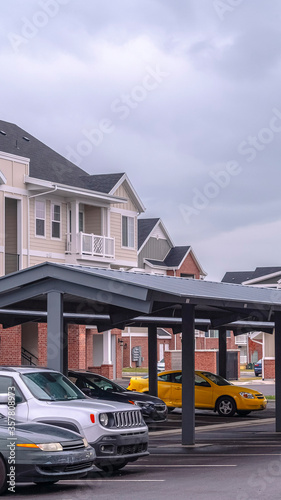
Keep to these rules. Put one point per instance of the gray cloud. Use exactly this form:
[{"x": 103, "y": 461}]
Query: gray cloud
[{"x": 221, "y": 84}]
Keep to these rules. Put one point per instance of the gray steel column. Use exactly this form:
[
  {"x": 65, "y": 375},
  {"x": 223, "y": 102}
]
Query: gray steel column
[
  {"x": 222, "y": 352},
  {"x": 188, "y": 347},
  {"x": 152, "y": 360},
  {"x": 55, "y": 345},
  {"x": 277, "y": 317}
]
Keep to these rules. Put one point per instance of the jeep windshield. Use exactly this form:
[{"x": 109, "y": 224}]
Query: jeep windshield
[{"x": 51, "y": 386}]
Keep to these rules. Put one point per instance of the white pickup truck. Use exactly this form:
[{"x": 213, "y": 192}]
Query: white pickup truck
[{"x": 115, "y": 430}]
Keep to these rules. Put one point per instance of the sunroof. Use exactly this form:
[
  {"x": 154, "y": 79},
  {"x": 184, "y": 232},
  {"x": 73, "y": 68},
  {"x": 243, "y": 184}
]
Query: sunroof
[
  {"x": 2, "y": 132},
  {"x": 26, "y": 139}
]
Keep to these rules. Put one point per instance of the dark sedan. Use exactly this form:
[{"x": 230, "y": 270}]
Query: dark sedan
[
  {"x": 40, "y": 453},
  {"x": 258, "y": 368},
  {"x": 93, "y": 385}
]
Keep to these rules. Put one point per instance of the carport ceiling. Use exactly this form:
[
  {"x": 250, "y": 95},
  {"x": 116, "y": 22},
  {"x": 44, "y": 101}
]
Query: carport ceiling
[{"x": 114, "y": 298}]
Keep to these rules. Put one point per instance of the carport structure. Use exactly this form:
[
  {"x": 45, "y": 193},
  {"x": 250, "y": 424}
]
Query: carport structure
[{"x": 114, "y": 299}]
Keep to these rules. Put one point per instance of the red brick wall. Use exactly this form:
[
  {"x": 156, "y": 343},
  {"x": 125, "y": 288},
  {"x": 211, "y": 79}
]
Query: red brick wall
[
  {"x": 254, "y": 346},
  {"x": 89, "y": 347},
  {"x": 206, "y": 360},
  {"x": 77, "y": 347},
  {"x": 119, "y": 349},
  {"x": 42, "y": 344},
  {"x": 188, "y": 267},
  {"x": 10, "y": 346},
  {"x": 213, "y": 343},
  {"x": 269, "y": 368}
]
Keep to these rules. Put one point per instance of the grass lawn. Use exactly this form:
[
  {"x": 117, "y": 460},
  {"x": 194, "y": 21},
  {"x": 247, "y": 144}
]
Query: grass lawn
[{"x": 135, "y": 370}]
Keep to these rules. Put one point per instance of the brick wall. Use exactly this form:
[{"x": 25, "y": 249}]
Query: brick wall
[
  {"x": 42, "y": 344},
  {"x": 77, "y": 347},
  {"x": 10, "y": 345},
  {"x": 189, "y": 266},
  {"x": 206, "y": 360},
  {"x": 269, "y": 368},
  {"x": 254, "y": 346}
]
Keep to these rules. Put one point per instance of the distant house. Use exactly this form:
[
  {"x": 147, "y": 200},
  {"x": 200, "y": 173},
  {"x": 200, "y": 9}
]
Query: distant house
[
  {"x": 258, "y": 345},
  {"x": 157, "y": 254}
]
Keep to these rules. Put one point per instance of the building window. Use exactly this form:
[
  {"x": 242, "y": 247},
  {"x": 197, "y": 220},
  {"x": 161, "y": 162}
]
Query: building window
[
  {"x": 56, "y": 221},
  {"x": 128, "y": 232},
  {"x": 213, "y": 334},
  {"x": 81, "y": 222},
  {"x": 40, "y": 217},
  {"x": 184, "y": 275}
]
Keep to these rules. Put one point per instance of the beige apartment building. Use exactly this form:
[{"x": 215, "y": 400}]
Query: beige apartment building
[{"x": 52, "y": 210}]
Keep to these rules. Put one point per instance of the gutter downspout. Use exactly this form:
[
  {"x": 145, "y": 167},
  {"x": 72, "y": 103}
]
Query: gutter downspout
[{"x": 28, "y": 219}]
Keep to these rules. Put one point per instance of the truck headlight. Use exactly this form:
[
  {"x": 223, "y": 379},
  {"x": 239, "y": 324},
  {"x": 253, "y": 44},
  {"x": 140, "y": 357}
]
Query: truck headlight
[
  {"x": 103, "y": 419},
  {"x": 247, "y": 395}
]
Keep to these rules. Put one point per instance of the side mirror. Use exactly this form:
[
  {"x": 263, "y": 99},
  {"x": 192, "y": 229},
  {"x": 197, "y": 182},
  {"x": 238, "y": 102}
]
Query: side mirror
[{"x": 3, "y": 399}]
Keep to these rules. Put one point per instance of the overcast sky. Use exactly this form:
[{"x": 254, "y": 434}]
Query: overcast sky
[{"x": 182, "y": 95}]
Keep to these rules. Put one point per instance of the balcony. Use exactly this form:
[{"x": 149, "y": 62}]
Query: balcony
[{"x": 91, "y": 245}]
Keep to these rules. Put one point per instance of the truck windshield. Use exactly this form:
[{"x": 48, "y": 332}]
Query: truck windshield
[{"x": 51, "y": 386}]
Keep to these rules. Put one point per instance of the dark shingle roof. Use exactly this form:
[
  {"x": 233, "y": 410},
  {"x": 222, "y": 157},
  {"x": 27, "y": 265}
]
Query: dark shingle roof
[
  {"x": 47, "y": 164},
  {"x": 103, "y": 183},
  {"x": 145, "y": 227},
  {"x": 173, "y": 259},
  {"x": 239, "y": 277}
]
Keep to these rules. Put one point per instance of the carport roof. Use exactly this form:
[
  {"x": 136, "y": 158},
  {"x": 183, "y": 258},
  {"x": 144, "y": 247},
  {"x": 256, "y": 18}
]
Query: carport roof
[{"x": 123, "y": 295}]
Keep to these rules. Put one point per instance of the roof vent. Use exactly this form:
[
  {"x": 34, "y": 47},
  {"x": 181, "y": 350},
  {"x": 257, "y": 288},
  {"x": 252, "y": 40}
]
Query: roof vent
[
  {"x": 26, "y": 138},
  {"x": 2, "y": 132}
]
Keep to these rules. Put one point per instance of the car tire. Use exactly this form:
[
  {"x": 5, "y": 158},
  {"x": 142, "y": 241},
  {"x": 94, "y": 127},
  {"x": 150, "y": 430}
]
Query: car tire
[
  {"x": 256, "y": 374},
  {"x": 111, "y": 467},
  {"x": 3, "y": 476},
  {"x": 226, "y": 406},
  {"x": 243, "y": 413}
]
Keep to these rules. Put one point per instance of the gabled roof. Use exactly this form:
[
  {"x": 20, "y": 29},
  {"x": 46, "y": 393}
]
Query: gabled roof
[
  {"x": 239, "y": 277},
  {"x": 175, "y": 258},
  {"x": 102, "y": 183},
  {"x": 48, "y": 165},
  {"x": 145, "y": 227}
]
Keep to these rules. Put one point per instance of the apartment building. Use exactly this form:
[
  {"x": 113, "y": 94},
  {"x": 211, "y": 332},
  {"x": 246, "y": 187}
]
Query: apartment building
[{"x": 52, "y": 210}]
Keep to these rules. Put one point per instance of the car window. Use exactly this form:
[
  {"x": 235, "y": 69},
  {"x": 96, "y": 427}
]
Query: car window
[
  {"x": 177, "y": 378},
  {"x": 200, "y": 381},
  {"x": 216, "y": 379},
  {"x": 5, "y": 387},
  {"x": 51, "y": 386},
  {"x": 166, "y": 377}
]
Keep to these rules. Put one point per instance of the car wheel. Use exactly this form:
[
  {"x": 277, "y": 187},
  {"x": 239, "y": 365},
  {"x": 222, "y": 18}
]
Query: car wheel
[
  {"x": 226, "y": 406},
  {"x": 3, "y": 476},
  {"x": 111, "y": 467},
  {"x": 256, "y": 374},
  {"x": 243, "y": 413}
]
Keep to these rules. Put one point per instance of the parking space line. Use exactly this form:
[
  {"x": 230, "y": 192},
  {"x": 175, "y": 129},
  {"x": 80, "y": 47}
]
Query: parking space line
[
  {"x": 207, "y": 455},
  {"x": 183, "y": 465},
  {"x": 105, "y": 480},
  {"x": 225, "y": 425}
]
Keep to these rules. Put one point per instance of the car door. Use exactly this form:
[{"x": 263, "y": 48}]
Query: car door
[
  {"x": 203, "y": 393},
  {"x": 164, "y": 388},
  {"x": 17, "y": 406},
  {"x": 176, "y": 389}
]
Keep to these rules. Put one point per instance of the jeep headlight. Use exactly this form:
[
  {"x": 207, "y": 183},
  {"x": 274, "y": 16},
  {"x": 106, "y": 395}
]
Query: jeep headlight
[
  {"x": 103, "y": 419},
  {"x": 247, "y": 395}
]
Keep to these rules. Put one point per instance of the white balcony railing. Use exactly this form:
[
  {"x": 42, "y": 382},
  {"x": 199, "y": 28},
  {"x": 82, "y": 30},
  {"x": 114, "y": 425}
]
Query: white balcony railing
[{"x": 91, "y": 244}]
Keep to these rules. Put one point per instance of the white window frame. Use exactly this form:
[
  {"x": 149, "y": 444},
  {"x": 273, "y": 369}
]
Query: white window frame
[
  {"x": 128, "y": 217},
  {"x": 43, "y": 202},
  {"x": 53, "y": 204}
]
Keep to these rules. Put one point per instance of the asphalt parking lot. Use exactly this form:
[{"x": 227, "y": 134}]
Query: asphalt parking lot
[{"x": 236, "y": 458}]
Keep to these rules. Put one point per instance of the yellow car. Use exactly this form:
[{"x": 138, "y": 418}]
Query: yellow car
[{"x": 212, "y": 392}]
